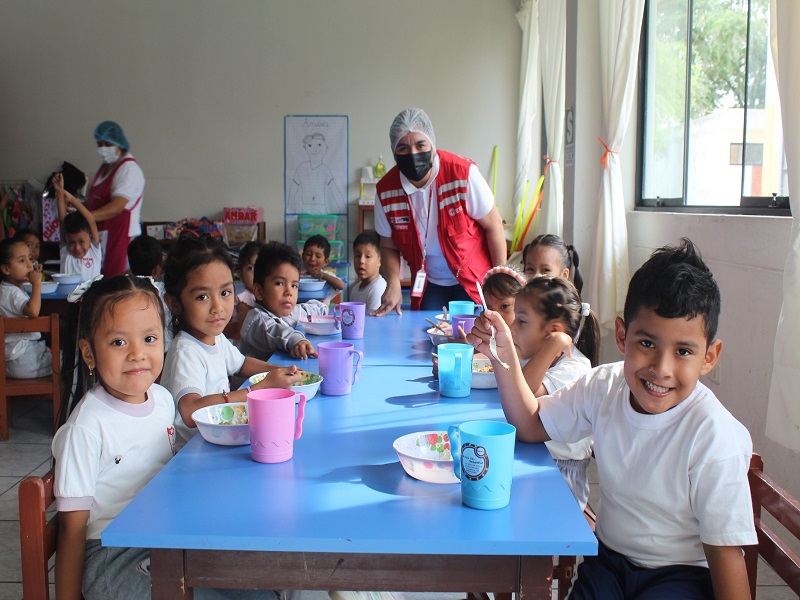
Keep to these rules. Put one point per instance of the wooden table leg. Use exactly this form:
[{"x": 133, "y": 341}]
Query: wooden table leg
[
  {"x": 168, "y": 576},
  {"x": 536, "y": 578}
]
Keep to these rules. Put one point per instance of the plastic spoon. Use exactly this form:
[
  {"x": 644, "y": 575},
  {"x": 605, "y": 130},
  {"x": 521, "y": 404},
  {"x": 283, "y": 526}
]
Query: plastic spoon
[{"x": 492, "y": 341}]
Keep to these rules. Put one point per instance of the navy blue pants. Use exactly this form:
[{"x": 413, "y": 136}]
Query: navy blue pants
[
  {"x": 611, "y": 576},
  {"x": 437, "y": 296}
]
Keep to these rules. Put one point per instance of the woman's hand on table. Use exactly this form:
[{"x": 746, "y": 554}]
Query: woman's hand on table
[
  {"x": 303, "y": 349},
  {"x": 392, "y": 299},
  {"x": 280, "y": 377},
  {"x": 481, "y": 332}
]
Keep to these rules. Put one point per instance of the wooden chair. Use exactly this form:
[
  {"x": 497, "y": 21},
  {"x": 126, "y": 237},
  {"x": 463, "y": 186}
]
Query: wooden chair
[
  {"x": 50, "y": 385},
  {"x": 780, "y": 504},
  {"x": 37, "y": 534}
]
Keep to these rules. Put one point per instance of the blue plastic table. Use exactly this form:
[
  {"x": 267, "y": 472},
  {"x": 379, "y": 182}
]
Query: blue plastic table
[
  {"x": 391, "y": 340},
  {"x": 342, "y": 514}
]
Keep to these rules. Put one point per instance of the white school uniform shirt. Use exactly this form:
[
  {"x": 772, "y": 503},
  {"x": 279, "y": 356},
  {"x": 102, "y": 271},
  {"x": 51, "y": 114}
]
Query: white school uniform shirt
[
  {"x": 108, "y": 450},
  {"x": 192, "y": 367},
  {"x": 370, "y": 294},
  {"x": 87, "y": 267},
  {"x": 13, "y": 301},
  {"x": 479, "y": 202},
  {"x": 668, "y": 482}
]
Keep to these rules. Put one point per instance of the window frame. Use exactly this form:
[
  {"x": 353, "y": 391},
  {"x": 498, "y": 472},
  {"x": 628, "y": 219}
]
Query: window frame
[{"x": 748, "y": 205}]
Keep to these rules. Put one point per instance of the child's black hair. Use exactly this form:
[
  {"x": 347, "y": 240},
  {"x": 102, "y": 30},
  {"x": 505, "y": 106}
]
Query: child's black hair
[
  {"x": 501, "y": 285},
  {"x": 6, "y": 252},
  {"x": 21, "y": 233},
  {"x": 318, "y": 241},
  {"x": 75, "y": 222},
  {"x": 557, "y": 298},
  {"x": 675, "y": 283},
  {"x": 249, "y": 250},
  {"x": 368, "y": 237},
  {"x": 80, "y": 323},
  {"x": 189, "y": 253},
  {"x": 273, "y": 255},
  {"x": 144, "y": 255},
  {"x": 569, "y": 255}
]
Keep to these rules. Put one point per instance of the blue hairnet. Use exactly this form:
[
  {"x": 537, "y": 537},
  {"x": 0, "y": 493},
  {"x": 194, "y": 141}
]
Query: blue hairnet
[
  {"x": 411, "y": 120},
  {"x": 111, "y": 132}
]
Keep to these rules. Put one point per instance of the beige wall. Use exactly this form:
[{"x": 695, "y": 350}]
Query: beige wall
[{"x": 201, "y": 87}]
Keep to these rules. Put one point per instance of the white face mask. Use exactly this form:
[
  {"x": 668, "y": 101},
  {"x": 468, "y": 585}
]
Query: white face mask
[{"x": 108, "y": 154}]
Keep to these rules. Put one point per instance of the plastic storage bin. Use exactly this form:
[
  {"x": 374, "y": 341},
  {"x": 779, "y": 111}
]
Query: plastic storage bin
[
  {"x": 337, "y": 249},
  {"x": 326, "y": 225}
]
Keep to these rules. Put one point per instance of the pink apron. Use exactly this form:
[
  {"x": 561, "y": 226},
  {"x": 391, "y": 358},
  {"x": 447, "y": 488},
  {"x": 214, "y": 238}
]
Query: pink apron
[{"x": 115, "y": 260}]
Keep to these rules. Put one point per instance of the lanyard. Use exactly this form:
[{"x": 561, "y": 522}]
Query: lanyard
[{"x": 424, "y": 241}]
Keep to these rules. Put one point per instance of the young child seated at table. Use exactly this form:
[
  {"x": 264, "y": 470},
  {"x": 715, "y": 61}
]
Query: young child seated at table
[
  {"x": 145, "y": 258},
  {"x": 547, "y": 254},
  {"x": 32, "y": 239},
  {"x": 500, "y": 288},
  {"x": 114, "y": 441},
  {"x": 316, "y": 256},
  {"x": 245, "y": 300},
  {"x": 270, "y": 326},
  {"x": 675, "y": 506},
  {"x": 27, "y": 356},
  {"x": 198, "y": 280},
  {"x": 367, "y": 263},
  {"x": 80, "y": 240},
  {"x": 559, "y": 337}
]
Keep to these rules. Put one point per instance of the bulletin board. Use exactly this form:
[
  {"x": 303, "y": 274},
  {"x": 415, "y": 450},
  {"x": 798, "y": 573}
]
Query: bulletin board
[{"x": 316, "y": 166}]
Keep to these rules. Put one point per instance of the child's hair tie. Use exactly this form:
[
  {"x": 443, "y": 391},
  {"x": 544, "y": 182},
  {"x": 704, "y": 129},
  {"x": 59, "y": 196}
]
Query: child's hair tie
[
  {"x": 585, "y": 310},
  {"x": 76, "y": 295},
  {"x": 506, "y": 270}
]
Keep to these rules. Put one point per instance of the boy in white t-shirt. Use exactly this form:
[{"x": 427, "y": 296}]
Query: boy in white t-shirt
[
  {"x": 80, "y": 240},
  {"x": 367, "y": 262},
  {"x": 675, "y": 505}
]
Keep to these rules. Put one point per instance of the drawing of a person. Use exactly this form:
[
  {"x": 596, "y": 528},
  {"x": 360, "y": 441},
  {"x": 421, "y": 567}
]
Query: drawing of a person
[{"x": 313, "y": 188}]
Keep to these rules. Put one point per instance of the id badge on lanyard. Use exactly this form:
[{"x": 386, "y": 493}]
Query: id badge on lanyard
[{"x": 420, "y": 279}]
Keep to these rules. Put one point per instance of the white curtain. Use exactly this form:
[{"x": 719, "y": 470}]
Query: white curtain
[
  {"x": 783, "y": 412},
  {"x": 553, "y": 42},
  {"x": 620, "y": 24},
  {"x": 530, "y": 93}
]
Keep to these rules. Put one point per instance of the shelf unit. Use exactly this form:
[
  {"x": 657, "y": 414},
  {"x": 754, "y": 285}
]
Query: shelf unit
[{"x": 365, "y": 210}]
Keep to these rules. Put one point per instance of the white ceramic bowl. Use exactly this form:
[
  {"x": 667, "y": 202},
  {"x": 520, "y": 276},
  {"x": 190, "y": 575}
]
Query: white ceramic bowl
[
  {"x": 321, "y": 325},
  {"x": 425, "y": 455},
  {"x": 312, "y": 285},
  {"x": 309, "y": 386},
  {"x": 66, "y": 278},
  {"x": 210, "y": 422},
  {"x": 482, "y": 379},
  {"x": 48, "y": 287}
]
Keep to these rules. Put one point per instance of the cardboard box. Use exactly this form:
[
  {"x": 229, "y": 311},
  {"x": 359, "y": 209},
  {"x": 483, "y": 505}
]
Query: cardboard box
[{"x": 242, "y": 214}]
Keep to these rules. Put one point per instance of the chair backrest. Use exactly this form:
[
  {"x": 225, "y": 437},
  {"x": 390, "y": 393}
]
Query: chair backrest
[
  {"x": 37, "y": 534},
  {"x": 785, "y": 509}
]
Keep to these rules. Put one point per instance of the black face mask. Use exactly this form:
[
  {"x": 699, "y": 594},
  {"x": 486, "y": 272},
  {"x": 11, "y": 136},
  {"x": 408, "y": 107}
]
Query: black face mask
[{"x": 414, "y": 166}]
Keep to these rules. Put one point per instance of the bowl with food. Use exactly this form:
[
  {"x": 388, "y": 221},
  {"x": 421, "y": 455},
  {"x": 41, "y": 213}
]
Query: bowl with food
[
  {"x": 321, "y": 325},
  {"x": 425, "y": 455},
  {"x": 311, "y": 285},
  {"x": 66, "y": 278},
  {"x": 223, "y": 424},
  {"x": 308, "y": 385},
  {"x": 441, "y": 333},
  {"x": 482, "y": 373},
  {"x": 48, "y": 287}
]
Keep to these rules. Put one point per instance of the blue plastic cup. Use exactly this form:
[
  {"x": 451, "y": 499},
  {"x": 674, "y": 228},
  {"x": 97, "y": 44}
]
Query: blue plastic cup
[
  {"x": 461, "y": 307},
  {"x": 455, "y": 369},
  {"x": 483, "y": 459}
]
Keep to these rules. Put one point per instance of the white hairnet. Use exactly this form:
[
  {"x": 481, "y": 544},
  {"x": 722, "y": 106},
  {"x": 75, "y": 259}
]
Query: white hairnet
[{"x": 411, "y": 120}]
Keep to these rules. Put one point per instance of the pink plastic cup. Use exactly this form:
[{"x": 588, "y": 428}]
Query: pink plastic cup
[
  {"x": 273, "y": 425},
  {"x": 352, "y": 315},
  {"x": 336, "y": 367}
]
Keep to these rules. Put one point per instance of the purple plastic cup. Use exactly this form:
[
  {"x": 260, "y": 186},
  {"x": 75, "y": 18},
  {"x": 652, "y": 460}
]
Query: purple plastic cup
[
  {"x": 352, "y": 315},
  {"x": 273, "y": 424},
  {"x": 336, "y": 367},
  {"x": 466, "y": 322}
]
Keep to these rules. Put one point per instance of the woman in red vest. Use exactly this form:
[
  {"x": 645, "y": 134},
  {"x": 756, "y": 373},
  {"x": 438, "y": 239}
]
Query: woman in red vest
[
  {"x": 436, "y": 210},
  {"x": 115, "y": 196}
]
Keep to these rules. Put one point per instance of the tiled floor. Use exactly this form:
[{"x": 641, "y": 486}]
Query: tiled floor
[{"x": 27, "y": 452}]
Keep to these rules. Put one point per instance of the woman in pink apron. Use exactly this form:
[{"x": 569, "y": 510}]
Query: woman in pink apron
[{"x": 115, "y": 196}]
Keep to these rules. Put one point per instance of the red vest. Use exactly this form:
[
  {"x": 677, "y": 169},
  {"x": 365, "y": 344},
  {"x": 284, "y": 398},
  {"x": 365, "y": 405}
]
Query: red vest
[{"x": 463, "y": 241}]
